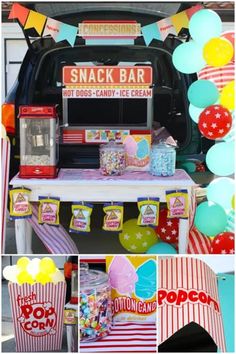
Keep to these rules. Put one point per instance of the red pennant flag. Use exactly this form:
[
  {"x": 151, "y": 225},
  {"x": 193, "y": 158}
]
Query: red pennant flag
[{"x": 19, "y": 12}]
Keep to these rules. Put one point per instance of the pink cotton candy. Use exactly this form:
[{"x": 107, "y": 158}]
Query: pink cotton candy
[
  {"x": 130, "y": 146},
  {"x": 122, "y": 275}
]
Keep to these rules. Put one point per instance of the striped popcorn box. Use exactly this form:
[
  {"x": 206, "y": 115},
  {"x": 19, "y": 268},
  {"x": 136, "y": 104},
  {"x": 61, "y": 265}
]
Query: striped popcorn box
[
  {"x": 188, "y": 293},
  {"x": 5, "y": 155},
  {"x": 37, "y": 312}
]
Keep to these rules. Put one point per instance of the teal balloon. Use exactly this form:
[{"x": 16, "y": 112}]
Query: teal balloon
[
  {"x": 145, "y": 287},
  {"x": 194, "y": 112},
  {"x": 210, "y": 218},
  {"x": 203, "y": 93},
  {"x": 220, "y": 159},
  {"x": 221, "y": 191},
  {"x": 161, "y": 248},
  {"x": 204, "y": 25},
  {"x": 188, "y": 58}
]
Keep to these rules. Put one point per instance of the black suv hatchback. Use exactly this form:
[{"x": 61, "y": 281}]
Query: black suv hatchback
[{"x": 40, "y": 77}]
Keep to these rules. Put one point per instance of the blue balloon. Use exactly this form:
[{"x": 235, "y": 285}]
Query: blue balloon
[
  {"x": 145, "y": 287},
  {"x": 221, "y": 191},
  {"x": 203, "y": 93},
  {"x": 204, "y": 25},
  {"x": 161, "y": 248},
  {"x": 220, "y": 159},
  {"x": 210, "y": 218},
  {"x": 194, "y": 112},
  {"x": 143, "y": 148},
  {"x": 188, "y": 58}
]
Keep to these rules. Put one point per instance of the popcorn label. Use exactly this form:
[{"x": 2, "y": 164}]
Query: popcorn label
[
  {"x": 37, "y": 312},
  {"x": 133, "y": 287},
  {"x": 20, "y": 206}
]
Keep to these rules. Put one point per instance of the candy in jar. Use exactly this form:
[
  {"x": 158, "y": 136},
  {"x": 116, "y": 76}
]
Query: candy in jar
[
  {"x": 95, "y": 305},
  {"x": 162, "y": 161},
  {"x": 112, "y": 159}
]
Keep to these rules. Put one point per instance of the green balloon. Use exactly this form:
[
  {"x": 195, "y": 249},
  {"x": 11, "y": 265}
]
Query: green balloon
[
  {"x": 210, "y": 218},
  {"x": 189, "y": 166},
  {"x": 204, "y": 25},
  {"x": 137, "y": 239},
  {"x": 220, "y": 159},
  {"x": 188, "y": 58},
  {"x": 203, "y": 93},
  {"x": 221, "y": 191}
]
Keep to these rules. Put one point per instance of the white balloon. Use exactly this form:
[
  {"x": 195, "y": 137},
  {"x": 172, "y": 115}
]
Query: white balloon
[
  {"x": 58, "y": 276},
  {"x": 10, "y": 273},
  {"x": 33, "y": 267}
]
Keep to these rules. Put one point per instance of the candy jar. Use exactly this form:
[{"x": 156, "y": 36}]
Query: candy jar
[
  {"x": 112, "y": 159},
  {"x": 95, "y": 305},
  {"x": 162, "y": 159}
]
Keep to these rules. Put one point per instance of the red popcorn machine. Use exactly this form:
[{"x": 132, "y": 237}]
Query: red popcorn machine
[{"x": 39, "y": 141}]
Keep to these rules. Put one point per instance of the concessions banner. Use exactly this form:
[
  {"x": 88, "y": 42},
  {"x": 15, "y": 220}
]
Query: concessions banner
[
  {"x": 101, "y": 32},
  {"x": 37, "y": 312},
  {"x": 188, "y": 293}
]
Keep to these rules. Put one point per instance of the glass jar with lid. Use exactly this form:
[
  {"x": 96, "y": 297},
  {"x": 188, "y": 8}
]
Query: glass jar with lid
[
  {"x": 162, "y": 159},
  {"x": 112, "y": 159},
  {"x": 95, "y": 304}
]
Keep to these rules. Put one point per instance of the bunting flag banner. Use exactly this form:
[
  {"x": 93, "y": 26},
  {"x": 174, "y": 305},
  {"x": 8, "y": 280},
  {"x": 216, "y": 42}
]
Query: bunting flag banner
[
  {"x": 170, "y": 25},
  {"x": 187, "y": 292},
  {"x": 35, "y": 20},
  {"x": 68, "y": 33},
  {"x": 51, "y": 28},
  {"x": 19, "y": 12}
]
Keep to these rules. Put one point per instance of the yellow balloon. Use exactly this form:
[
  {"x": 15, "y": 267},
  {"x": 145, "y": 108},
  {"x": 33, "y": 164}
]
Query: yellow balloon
[
  {"x": 47, "y": 266},
  {"x": 218, "y": 52},
  {"x": 43, "y": 278},
  {"x": 227, "y": 96},
  {"x": 233, "y": 202},
  {"x": 22, "y": 263},
  {"x": 24, "y": 277}
]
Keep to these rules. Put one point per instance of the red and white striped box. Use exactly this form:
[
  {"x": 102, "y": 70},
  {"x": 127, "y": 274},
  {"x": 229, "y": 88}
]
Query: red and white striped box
[
  {"x": 37, "y": 312},
  {"x": 188, "y": 292}
]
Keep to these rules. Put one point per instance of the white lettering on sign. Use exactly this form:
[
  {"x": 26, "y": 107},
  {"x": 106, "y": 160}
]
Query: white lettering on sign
[
  {"x": 107, "y": 75},
  {"x": 107, "y": 93}
]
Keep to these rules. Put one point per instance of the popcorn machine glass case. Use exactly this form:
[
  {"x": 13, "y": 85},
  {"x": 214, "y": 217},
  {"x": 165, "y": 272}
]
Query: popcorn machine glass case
[{"x": 38, "y": 141}]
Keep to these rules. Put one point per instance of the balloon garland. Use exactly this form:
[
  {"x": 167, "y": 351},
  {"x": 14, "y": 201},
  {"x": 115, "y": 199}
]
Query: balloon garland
[{"x": 211, "y": 107}]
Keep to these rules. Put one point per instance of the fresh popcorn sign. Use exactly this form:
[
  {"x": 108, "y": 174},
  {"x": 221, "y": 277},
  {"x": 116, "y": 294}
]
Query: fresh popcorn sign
[
  {"x": 37, "y": 312},
  {"x": 37, "y": 319}
]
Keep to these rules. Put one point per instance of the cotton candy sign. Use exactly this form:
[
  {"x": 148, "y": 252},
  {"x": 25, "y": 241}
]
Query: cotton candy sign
[{"x": 133, "y": 283}]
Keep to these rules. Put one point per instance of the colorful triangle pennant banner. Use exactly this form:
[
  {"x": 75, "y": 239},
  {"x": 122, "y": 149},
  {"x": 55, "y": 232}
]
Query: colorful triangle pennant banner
[
  {"x": 170, "y": 25},
  {"x": 19, "y": 12},
  {"x": 35, "y": 20}
]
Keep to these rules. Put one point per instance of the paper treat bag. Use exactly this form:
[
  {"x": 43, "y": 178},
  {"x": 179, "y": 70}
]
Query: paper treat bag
[
  {"x": 133, "y": 287},
  {"x": 37, "y": 312},
  {"x": 187, "y": 292}
]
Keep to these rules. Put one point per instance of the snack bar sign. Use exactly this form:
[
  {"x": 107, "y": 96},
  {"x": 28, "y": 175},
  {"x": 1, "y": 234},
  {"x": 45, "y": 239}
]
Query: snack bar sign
[{"x": 107, "y": 82}]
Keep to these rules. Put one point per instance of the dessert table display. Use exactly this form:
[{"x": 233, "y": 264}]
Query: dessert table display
[{"x": 90, "y": 186}]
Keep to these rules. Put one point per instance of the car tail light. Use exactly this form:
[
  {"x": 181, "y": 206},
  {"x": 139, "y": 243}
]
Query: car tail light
[{"x": 8, "y": 117}]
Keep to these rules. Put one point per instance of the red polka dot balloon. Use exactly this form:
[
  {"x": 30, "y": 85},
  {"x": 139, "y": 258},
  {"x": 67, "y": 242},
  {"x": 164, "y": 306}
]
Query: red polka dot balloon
[
  {"x": 223, "y": 243},
  {"x": 168, "y": 229},
  {"x": 215, "y": 122}
]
